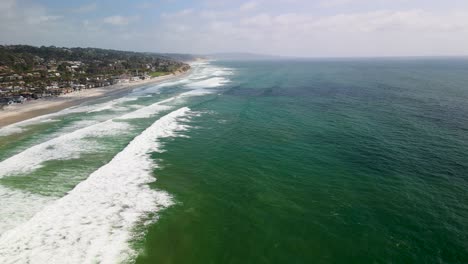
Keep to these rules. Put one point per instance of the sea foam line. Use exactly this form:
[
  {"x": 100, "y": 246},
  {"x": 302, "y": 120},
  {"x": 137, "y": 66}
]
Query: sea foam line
[
  {"x": 69, "y": 146},
  {"x": 93, "y": 223},
  {"x": 63, "y": 147},
  {"x": 60, "y": 148},
  {"x": 21, "y": 126}
]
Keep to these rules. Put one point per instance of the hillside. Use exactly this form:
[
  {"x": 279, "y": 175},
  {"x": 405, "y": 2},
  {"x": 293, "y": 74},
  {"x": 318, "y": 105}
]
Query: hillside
[{"x": 51, "y": 70}]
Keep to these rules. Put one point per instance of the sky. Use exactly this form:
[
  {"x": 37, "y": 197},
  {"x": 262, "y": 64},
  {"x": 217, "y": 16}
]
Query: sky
[{"x": 305, "y": 28}]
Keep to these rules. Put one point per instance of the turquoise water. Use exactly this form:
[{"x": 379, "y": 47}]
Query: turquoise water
[{"x": 331, "y": 161}]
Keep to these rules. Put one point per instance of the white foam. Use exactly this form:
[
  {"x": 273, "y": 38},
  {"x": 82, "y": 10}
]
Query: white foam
[
  {"x": 72, "y": 145},
  {"x": 10, "y": 130},
  {"x": 203, "y": 75},
  {"x": 112, "y": 105},
  {"x": 223, "y": 72},
  {"x": 18, "y": 206},
  {"x": 94, "y": 222},
  {"x": 64, "y": 147},
  {"x": 107, "y": 108},
  {"x": 209, "y": 83},
  {"x": 21, "y": 126},
  {"x": 156, "y": 89},
  {"x": 148, "y": 111}
]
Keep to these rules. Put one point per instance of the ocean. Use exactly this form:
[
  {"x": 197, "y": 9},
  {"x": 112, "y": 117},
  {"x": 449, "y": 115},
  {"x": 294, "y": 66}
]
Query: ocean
[{"x": 290, "y": 161}]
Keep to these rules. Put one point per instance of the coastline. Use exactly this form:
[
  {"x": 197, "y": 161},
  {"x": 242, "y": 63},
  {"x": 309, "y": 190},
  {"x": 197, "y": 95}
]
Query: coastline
[{"x": 20, "y": 112}]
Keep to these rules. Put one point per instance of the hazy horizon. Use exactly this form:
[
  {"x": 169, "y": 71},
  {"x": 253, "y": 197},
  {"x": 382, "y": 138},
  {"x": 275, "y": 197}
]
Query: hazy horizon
[{"x": 291, "y": 28}]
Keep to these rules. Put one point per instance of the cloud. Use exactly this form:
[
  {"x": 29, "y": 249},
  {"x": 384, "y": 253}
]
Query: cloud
[
  {"x": 335, "y": 3},
  {"x": 415, "y": 20},
  {"x": 342, "y": 3},
  {"x": 289, "y": 27},
  {"x": 260, "y": 20},
  {"x": 396, "y": 21},
  {"x": 383, "y": 32},
  {"x": 86, "y": 8},
  {"x": 119, "y": 20},
  {"x": 6, "y": 5},
  {"x": 248, "y": 6},
  {"x": 13, "y": 16},
  {"x": 7, "y": 9},
  {"x": 42, "y": 19},
  {"x": 178, "y": 14},
  {"x": 145, "y": 5}
]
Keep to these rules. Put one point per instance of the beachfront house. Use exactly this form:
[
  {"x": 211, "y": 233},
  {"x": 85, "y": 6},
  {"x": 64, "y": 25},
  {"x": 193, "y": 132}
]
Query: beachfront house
[
  {"x": 6, "y": 101},
  {"x": 19, "y": 99},
  {"x": 78, "y": 87}
]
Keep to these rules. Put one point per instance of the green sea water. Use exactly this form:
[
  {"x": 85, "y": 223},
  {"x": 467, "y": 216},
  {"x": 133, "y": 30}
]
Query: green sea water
[
  {"x": 306, "y": 161},
  {"x": 322, "y": 162}
]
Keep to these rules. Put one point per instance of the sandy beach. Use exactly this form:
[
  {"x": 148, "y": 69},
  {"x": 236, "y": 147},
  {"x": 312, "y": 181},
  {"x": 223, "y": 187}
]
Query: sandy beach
[{"x": 20, "y": 112}]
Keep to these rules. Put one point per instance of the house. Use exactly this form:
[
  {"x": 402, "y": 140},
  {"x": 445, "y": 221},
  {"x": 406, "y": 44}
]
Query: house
[
  {"x": 19, "y": 99},
  {"x": 52, "y": 86},
  {"x": 37, "y": 95},
  {"x": 5, "y": 100},
  {"x": 14, "y": 77},
  {"x": 40, "y": 68},
  {"x": 78, "y": 87}
]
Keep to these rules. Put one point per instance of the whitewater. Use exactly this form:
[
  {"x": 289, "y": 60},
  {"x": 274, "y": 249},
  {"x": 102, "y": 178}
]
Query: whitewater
[{"x": 95, "y": 221}]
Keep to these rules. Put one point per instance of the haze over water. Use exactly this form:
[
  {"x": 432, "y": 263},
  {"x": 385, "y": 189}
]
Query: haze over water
[{"x": 326, "y": 161}]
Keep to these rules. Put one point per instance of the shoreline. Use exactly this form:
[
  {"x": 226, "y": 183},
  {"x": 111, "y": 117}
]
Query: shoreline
[{"x": 20, "y": 112}]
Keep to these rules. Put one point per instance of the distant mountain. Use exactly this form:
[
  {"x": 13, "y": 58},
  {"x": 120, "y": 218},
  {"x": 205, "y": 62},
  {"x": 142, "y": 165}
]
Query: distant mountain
[{"x": 243, "y": 56}]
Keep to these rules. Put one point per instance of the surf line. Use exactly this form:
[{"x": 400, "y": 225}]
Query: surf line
[
  {"x": 65, "y": 146},
  {"x": 70, "y": 145},
  {"x": 93, "y": 223}
]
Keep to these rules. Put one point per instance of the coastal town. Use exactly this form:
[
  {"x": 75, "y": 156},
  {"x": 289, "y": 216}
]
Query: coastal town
[{"x": 31, "y": 73}]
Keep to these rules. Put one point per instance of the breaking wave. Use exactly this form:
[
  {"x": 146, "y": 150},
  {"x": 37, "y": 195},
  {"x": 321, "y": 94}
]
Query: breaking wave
[{"x": 93, "y": 223}]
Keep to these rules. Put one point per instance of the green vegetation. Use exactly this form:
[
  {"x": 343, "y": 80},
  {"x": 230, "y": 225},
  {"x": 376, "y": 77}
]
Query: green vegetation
[
  {"x": 158, "y": 74},
  {"x": 43, "y": 71}
]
